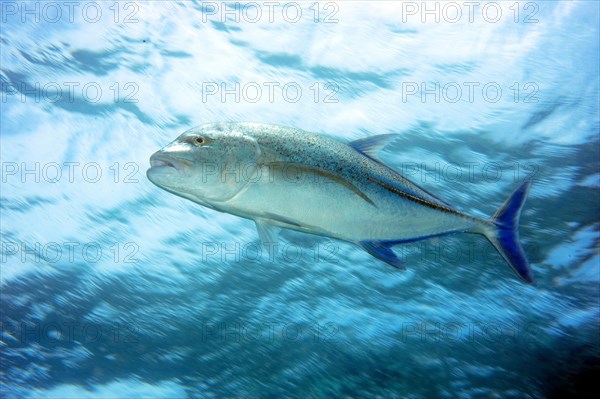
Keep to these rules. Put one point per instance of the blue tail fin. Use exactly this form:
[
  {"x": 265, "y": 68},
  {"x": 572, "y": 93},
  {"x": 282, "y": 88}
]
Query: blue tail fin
[{"x": 505, "y": 234}]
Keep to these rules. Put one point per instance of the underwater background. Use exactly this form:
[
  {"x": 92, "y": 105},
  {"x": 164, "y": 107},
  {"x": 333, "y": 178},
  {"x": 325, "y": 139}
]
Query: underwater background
[{"x": 114, "y": 288}]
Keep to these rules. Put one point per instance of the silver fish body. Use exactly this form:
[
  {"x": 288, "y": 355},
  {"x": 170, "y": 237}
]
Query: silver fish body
[{"x": 288, "y": 178}]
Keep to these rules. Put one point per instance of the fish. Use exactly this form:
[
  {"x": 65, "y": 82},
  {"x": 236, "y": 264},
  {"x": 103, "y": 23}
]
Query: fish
[{"x": 287, "y": 178}]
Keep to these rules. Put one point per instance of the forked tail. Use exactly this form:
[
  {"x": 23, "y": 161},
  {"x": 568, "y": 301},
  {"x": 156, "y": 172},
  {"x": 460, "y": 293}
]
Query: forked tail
[{"x": 504, "y": 234}]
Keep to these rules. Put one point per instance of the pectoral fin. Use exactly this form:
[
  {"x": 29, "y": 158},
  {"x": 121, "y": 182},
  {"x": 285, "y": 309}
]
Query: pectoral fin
[
  {"x": 383, "y": 251},
  {"x": 299, "y": 170}
]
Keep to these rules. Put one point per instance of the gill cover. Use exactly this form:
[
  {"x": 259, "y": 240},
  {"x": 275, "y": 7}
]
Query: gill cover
[{"x": 225, "y": 163}]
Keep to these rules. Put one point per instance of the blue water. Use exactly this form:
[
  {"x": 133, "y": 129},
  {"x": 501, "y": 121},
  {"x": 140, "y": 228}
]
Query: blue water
[{"x": 114, "y": 288}]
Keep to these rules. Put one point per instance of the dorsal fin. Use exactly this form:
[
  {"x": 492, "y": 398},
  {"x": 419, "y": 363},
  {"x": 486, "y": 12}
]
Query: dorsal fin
[{"x": 372, "y": 146}]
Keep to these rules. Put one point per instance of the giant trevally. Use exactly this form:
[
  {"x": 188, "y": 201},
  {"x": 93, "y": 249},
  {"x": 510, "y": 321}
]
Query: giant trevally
[{"x": 260, "y": 172}]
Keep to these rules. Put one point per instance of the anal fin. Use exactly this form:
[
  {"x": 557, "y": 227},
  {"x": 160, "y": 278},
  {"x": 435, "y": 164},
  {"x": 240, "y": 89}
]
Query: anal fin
[{"x": 383, "y": 251}]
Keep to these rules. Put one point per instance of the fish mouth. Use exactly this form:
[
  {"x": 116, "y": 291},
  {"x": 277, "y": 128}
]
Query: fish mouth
[{"x": 160, "y": 160}]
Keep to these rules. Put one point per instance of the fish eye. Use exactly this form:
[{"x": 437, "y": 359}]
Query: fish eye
[{"x": 199, "y": 140}]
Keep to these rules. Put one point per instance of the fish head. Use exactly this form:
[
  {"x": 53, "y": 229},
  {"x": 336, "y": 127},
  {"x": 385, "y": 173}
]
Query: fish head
[{"x": 207, "y": 164}]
